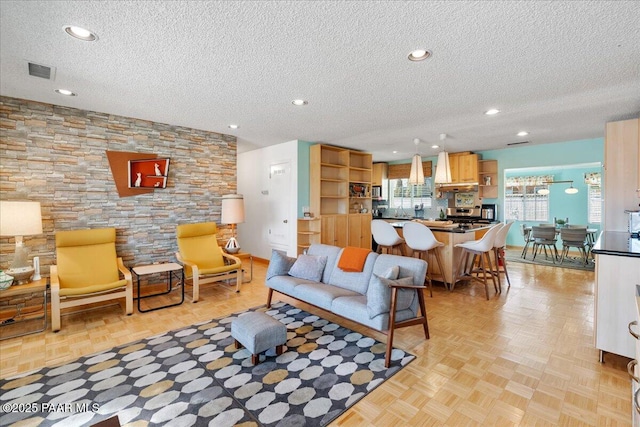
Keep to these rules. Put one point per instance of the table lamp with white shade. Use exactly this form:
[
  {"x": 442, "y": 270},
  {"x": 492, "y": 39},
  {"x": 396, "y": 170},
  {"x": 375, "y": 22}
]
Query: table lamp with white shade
[
  {"x": 232, "y": 213},
  {"x": 20, "y": 219}
]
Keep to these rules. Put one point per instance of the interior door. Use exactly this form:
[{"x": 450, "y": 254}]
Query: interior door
[{"x": 279, "y": 222}]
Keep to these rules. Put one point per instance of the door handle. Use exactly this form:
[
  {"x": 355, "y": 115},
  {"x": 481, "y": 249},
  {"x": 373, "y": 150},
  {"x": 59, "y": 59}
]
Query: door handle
[
  {"x": 633, "y": 334},
  {"x": 630, "y": 367},
  {"x": 285, "y": 221}
]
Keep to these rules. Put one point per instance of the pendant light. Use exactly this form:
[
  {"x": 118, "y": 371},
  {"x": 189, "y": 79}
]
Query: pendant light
[
  {"x": 443, "y": 168},
  {"x": 571, "y": 189},
  {"x": 416, "y": 175}
]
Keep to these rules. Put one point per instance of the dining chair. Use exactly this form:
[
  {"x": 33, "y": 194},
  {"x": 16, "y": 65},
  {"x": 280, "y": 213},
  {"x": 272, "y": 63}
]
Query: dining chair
[
  {"x": 386, "y": 236},
  {"x": 544, "y": 237},
  {"x": 576, "y": 238},
  {"x": 87, "y": 271},
  {"x": 499, "y": 246},
  {"x": 526, "y": 235},
  {"x": 473, "y": 249},
  {"x": 202, "y": 258},
  {"x": 421, "y": 240}
]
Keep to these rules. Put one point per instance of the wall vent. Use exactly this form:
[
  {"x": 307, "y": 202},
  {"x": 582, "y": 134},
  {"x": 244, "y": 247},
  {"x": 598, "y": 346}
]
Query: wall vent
[
  {"x": 518, "y": 143},
  {"x": 42, "y": 71}
]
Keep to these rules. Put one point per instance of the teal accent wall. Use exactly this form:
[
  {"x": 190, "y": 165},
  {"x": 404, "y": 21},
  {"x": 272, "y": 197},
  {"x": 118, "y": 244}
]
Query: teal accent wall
[
  {"x": 304, "y": 168},
  {"x": 565, "y": 161}
]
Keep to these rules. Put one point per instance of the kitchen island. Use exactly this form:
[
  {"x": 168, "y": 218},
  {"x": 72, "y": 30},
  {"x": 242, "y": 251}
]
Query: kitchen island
[
  {"x": 617, "y": 274},
  {"x": 450, "y": 236}
]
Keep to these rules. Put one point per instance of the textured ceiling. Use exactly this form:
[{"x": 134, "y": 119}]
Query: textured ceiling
[{"x": 559, "y": 69}]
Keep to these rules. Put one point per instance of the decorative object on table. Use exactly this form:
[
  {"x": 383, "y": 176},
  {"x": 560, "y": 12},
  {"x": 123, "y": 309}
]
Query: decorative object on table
[
  {"x": 443, "y": 168},
  {"x": 36, "y": 269},
  {"x": 325, "y": 370},
  {"x": 20, "y": 219},
  {"x": 442, "y": 216},
  {"x": 232, "y": 213},
  {"x": 416, "y": 174},
  {"x": 5, "y": 281}
]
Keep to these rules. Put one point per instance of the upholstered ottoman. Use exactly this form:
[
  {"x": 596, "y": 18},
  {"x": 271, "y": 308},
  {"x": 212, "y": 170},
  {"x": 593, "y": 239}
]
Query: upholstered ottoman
[{"x": 258, "y": 332}]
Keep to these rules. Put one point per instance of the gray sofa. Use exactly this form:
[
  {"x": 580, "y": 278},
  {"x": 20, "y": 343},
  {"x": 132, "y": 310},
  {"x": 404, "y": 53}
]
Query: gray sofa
[{"x": 370, "y": 297}]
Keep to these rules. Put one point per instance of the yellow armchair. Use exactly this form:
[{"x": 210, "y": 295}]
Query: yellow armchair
[
  {"x": 87, "y": 271},
  {"x": 202, "y": 258}
]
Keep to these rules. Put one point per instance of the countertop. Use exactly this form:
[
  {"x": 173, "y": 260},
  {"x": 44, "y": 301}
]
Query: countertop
[
  {"x": 471, "y": 229},
  {"x": 617, "y": 243}
]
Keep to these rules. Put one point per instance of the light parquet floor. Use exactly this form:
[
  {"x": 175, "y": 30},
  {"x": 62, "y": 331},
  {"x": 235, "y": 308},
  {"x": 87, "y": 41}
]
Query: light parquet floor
[{"x": 523, "y": 358}]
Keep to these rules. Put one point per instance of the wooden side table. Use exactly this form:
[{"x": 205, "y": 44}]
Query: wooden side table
[
  {"x": 22, "y": 303},
  {"x": 170, "y": 268},
  {"x": 243, "y": 257}
]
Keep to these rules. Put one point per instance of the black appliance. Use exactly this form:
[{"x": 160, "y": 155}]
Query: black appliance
[
  {"x": 489, "y": 212},
  {"x": 379, "y": 207}
]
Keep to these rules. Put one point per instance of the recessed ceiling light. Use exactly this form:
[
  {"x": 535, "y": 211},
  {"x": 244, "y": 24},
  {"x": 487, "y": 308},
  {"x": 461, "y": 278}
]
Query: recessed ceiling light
[
  {"x": 435, "y": 146},
  {"x": 492, "y": 111},
  {"x": 65, "y": 92},
  {"x": 523, "y": 133},
  {"x": 80, "y": 33},
  {"x": 233, "y": 126},
  {"x": 419, "y": 55},
  {"x": 395, "y": 151},
  {"x": 299, "y": 102}
]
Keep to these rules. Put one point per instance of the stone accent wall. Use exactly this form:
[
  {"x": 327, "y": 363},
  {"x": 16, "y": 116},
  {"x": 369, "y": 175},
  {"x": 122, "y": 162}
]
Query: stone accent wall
[{"x": 57, "y": 156}]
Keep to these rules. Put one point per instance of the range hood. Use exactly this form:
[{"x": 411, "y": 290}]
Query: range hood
[{"x": 465, "y": 187}]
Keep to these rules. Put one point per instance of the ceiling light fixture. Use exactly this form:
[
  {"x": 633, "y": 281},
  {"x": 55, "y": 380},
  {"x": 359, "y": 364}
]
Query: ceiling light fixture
[
  {"x": 434, "y": 146},
  {"x": 443, "y": 168},
  {"x": 299, "y": 102},
  {"x": 233, "y": 126},
  {"x": 419, "y": 55},
  {"x": 416, "y": 175},
  {"x": 523, "y": 133},
  {"x": 80, "y": 33},
  {"x": 570, "y": 190},
  {"x": 492, "y": 111},
  {"x": 65, "y": 92}
]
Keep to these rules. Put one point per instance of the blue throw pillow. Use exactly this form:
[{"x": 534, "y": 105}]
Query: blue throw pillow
[
  {"x": 280, "y": 264},
  {"x": 309, "y": 267},
  {"x": 379, "y": 295}
]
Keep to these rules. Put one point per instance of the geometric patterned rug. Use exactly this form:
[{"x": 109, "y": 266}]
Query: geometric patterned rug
[
  {"x": 196, "y": 377},
  {"x": 572, "y": 262}
]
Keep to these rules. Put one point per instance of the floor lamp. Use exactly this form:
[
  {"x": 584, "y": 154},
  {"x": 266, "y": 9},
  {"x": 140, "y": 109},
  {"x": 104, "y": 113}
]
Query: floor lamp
[{"x": 232, "y": 213}]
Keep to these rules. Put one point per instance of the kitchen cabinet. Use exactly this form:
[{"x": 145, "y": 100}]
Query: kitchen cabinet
[
  {"x": 333, "y": 230},
  {"x": 488, "y": 184},
  {"x": 359, "y": 230},
  {"x": 340, "y": 184},
  {"x": 464, "y": 167},
  {"x": 621, "y": 172},
  {"x": 379, "y": 173}
]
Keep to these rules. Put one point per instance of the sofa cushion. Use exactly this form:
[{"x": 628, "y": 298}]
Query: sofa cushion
[
  {"x": 391, "y": 273},
  {"x": 309, "y": 267},
  {"x": 357, "y": 282},
  {"x": 285, "y": 284},
  {"x": 279, "y": 264},
  {"x": 331, "y": 252},
  {"x": 320, "y": 294},
  {"x": 379, "y": 295},
  {"x": 355, "y": 308}
]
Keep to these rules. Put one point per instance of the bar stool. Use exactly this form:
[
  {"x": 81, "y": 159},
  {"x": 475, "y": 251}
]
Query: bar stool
[
  {"x": 499, "y": 244},
  {"x": 480, "y": 248},
  {"x": 422, "y": 241},
  {"x": 386, "y": 236}
]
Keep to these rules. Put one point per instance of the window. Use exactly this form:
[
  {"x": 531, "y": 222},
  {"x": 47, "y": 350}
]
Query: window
[
  {"x": 405, "y": 197},
  {"x": 595, "y": 204},
  {"x": 522, "y": 200}
]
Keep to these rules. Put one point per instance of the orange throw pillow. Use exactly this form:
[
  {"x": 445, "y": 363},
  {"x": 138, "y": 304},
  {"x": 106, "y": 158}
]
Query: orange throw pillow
[{"x": 353, "y": 259}]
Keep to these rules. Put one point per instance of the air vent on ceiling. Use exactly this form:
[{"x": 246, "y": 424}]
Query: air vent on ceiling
[
  {"x": 42, "y": 71},
  {"x": 518, "y": 143}
]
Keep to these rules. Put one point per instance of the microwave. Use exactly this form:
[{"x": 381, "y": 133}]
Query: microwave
[{"x": 634, "y": 221}]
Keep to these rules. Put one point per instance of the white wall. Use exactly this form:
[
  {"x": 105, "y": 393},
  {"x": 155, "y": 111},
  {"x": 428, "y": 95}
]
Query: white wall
[{"x": 253, "y": 180}]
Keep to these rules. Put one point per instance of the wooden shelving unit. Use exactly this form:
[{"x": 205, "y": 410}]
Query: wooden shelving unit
[
  {"x": 340, "y": 188},
  {"x": 488, "y": 170},
  {"x": 308, "y": 233}
]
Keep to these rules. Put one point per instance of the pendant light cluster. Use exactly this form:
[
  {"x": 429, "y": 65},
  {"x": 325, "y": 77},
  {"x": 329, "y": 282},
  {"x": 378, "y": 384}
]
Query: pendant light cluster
[{"x": 443, "y": 168}]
